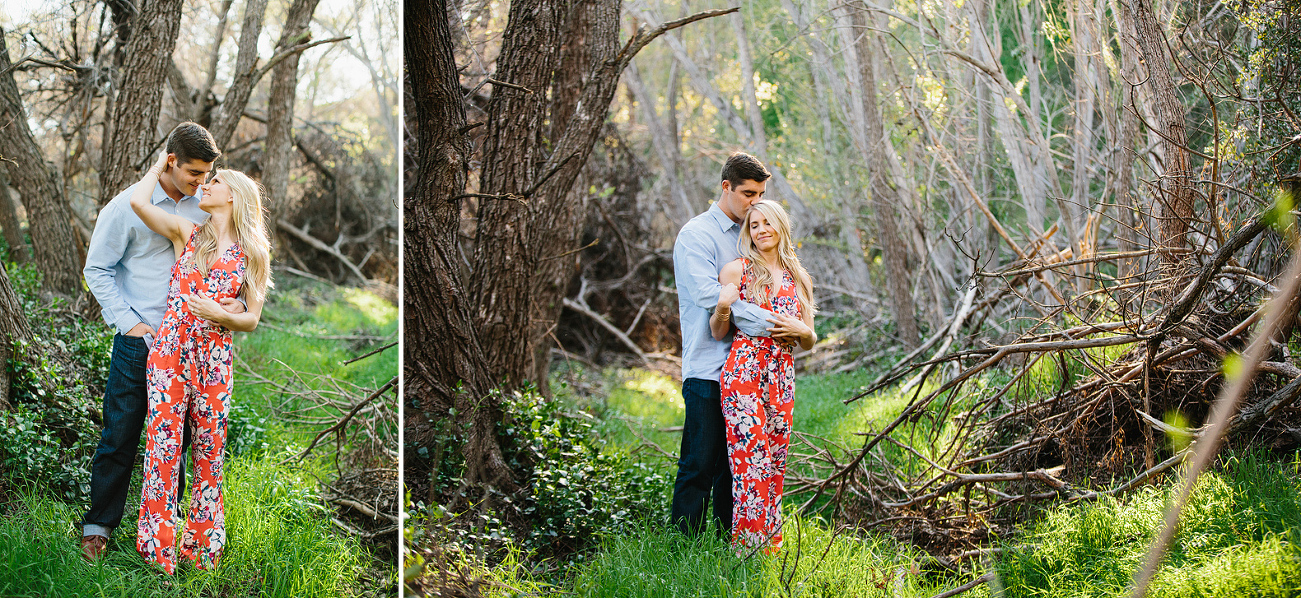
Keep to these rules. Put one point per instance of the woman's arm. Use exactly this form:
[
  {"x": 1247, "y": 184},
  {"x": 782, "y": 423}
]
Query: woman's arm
[
  {"x": 213, "y": 312},
  {"x": 807, "y": 343},
  {"x": 175, "y": 228},
  {"x": 720, "y": 323}
]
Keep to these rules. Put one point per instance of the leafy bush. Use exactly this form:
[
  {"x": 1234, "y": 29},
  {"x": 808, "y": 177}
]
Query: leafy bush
[
  {"x": 578, "y": 490},
  {"x": 246, "y": 431},
  {"x": 49, "y": 438}
]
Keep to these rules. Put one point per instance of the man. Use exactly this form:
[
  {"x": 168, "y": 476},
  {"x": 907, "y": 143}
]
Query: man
[
  {"x": 128, "y": 268},
  {"x": 703, "y": 246}
]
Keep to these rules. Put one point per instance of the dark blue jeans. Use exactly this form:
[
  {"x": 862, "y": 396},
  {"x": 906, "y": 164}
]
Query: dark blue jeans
[
  {"x": 702, "y": 466},
  {"x": 125, "y": 406}
]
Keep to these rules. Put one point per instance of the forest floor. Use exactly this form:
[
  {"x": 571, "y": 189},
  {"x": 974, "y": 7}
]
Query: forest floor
[
  {"x": 281, "y": 538},
  {"x": 1241, "y": 532}
]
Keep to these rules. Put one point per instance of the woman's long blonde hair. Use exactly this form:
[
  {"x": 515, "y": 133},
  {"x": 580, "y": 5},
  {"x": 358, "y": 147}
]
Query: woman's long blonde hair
[
  {"x": 250, "y": 232},
  {"x": 786, "y": 258}
]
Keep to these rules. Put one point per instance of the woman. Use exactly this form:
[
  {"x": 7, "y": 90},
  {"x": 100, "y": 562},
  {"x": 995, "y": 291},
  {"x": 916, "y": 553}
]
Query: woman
[
  {"x": 189, "y": 367},
  {"x": 758, "y": 381}
]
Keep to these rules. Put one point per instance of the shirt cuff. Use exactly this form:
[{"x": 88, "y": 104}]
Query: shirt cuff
[
  {"x": 751, "y": 319},
  {"x": 128, "y": 321}
]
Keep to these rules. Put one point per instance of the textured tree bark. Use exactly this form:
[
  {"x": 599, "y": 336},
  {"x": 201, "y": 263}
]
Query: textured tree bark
[
  {"x": 9, "y": 222},
  {"x": 451, "y": 373},
  {"x": 13, "y": 329},
  {"x": 53, "y": 241},
  {"x": 1123, "y": 160},
  {"x": 280, "y": 108},
  {"x": 1084, "y": 29},
  {"x": 1175, "y": 201},
  {"x": 200, "y": 101},
  {"x": 885, "y": 198},
  {"x": 232, "y": 105},
  {"x": 142, "y": 74}
]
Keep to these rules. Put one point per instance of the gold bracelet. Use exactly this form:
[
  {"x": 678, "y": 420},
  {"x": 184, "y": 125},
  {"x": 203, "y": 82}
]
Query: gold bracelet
[{"x": 724, "y": 316}]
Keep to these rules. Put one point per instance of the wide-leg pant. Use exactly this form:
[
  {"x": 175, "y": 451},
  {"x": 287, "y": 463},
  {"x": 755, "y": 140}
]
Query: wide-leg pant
[
  {"x": 188, "y": 386},
  {"x": 758, "y": 411}
]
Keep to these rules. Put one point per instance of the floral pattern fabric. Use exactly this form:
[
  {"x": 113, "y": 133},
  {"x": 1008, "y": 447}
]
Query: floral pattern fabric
[
  {"x": 189, "y": 380},
  {"x": 758, "y": 388}
]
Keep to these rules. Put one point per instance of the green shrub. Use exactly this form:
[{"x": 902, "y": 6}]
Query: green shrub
[
  {"x": 578, "y": 491},
  {"x": 49, "y": 438}
]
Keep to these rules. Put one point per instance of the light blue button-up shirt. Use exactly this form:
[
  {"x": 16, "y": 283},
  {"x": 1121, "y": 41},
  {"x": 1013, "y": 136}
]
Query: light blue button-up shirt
[
  {"x": 704, "y": 245},
  {"x": 129, "y": 267}
]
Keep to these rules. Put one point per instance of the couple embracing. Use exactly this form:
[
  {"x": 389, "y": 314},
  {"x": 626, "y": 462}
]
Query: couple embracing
[
  {"x": 178, "y": 263},
  {"x": 744, "y": 302}
]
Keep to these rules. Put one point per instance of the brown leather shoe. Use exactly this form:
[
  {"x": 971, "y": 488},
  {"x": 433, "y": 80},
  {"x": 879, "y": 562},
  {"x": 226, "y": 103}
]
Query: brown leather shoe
[{"x": 92, "y": 547}]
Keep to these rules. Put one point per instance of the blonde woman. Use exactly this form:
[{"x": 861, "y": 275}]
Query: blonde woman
[
  {"x": 758, "y": 380},
  {"x": 189, "y": 367}
]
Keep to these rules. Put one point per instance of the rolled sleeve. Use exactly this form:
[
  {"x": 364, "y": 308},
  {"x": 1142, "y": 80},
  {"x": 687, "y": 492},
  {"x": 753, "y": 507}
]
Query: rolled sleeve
[
  {"x": 107, "y": 246},
  {"x": 751, "y": 319}
]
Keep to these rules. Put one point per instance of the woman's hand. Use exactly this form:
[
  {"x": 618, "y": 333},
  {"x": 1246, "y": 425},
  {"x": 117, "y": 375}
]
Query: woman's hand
[
  {"x": 161, "y": 163},
  {"x": 206, "y": 308},
  {"x": 728, "y": 295},
  {"x": 790, "y": 329},
  {"x": 175, "y": 228}
]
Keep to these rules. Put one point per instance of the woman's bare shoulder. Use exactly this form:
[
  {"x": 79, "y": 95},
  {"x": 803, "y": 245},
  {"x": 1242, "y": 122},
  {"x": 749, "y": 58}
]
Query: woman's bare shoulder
[{"x": 731, "y": 271}]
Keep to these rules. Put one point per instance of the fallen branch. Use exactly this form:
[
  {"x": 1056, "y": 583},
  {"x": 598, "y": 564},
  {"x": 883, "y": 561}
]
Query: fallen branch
[{"x": 302, "y": 235}]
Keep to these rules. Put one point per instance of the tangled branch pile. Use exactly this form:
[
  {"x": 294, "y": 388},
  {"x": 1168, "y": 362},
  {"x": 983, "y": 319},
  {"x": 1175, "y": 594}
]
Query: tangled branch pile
[{"x": 1103, "y": 392}]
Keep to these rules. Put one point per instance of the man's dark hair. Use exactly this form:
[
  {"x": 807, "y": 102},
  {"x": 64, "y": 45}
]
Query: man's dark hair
[
  {"x": 190, "y": 141},
  {"x": 741, "y": 167}
]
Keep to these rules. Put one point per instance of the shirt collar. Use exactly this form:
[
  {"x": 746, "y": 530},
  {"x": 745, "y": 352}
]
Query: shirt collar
[
  {"x": 724, "y": 223},
  {"x": 160, "y": 195}
]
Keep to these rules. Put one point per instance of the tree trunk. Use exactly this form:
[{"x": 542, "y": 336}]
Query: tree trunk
[
  {"x": 9, "y": 222},
  {"x": 450, "y": 374},
  {"x": 1084, "y": 31},
  {"x": 1124, "y": 157},
  {"x": 232, "y": 105},
  {"x": 885, "y": 199},
  {"x": 200, "y": 101},
  {"x": 664, "y": 141},
  {"x": 143, "y": 74},
  {"x": 280, "y": 109},
  {"x": 1176, "y": 191},
  {"x": 13, "y": 329},
  {"x": 50, "y": 221}
]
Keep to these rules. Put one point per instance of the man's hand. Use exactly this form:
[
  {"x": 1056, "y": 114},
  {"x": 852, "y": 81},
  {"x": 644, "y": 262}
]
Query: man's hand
[
  {"x": 232, "y": 305},
  {"x": 205, "y": 308},
  {"x": 140, "y": 330}
]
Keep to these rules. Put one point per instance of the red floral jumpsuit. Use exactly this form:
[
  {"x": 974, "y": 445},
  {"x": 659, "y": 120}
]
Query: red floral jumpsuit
[
  {"x": 758, "y": 388},
  {"x": 189, "y": 379}
]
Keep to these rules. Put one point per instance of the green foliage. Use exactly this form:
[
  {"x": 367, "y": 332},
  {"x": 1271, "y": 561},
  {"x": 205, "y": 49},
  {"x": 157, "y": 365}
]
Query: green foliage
[
  {"x": 1271, "y": 73},
  {"x": 280, "y": 544},
  {"x": 577, "y": 490},
  {"x": 246, "y": 430},
  {"x": 49, "y": 437},
  {"x": 281, "y": 540},
  {"x": 1237, "y": 534},
  {"x": 815, "y": 561}
]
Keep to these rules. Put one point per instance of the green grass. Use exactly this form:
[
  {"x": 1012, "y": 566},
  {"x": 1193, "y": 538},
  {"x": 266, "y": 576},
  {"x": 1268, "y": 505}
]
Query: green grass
[
  {"x": 280, "y": 544},
  {"x": 814, "y": 562},
  {"x": 1239, "y": 536},
  {"x": 281, "y": 540}
]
